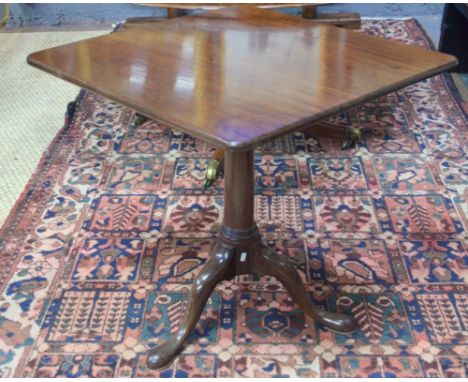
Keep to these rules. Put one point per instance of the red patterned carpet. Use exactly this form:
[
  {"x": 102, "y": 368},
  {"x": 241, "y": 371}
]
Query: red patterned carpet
[{"x": 102, "y": 245}]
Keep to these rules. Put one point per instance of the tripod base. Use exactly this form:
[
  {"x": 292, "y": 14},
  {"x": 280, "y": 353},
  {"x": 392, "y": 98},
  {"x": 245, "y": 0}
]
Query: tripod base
[{"x": 242, "y": 253}]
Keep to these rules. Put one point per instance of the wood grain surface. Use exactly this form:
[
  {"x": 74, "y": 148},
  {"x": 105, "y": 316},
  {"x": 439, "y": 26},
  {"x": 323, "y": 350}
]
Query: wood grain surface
[{"x": 239, "y": 76}]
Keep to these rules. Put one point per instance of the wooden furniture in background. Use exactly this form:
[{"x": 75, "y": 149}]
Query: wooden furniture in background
[
  {"x": 350, "y": 20},
  {"x": 5, "y": 16},
  {"x": 454, "y": 34},
  {"x": 266, "y": 74}
]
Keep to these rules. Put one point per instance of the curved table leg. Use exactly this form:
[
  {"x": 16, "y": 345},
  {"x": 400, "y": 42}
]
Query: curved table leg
[
  {"x": 266, "y": 262},
  {"x": 217, "y": 268}
]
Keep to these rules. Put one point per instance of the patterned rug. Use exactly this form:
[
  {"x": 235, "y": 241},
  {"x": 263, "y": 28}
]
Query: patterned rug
[{"x": 102, "y": 245}]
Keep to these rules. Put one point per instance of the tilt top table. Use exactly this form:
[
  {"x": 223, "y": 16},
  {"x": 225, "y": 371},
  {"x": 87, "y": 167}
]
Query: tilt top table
[{"x": 237, "y": 77}]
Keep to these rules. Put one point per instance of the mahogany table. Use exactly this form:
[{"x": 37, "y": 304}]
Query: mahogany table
[
  {"x": 266, "y": 74},
  {"x": 309, "y": 11}
]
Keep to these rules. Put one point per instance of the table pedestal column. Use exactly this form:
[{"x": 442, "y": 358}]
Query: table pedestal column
[{"x": 239, "y": 250}]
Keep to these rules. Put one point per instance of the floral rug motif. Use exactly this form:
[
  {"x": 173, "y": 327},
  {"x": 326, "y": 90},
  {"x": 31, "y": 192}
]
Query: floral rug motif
[{"x": 102, "y": 245}]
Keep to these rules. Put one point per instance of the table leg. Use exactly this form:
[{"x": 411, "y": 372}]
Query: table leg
[
  {"x": 309, "y": 11},
  {"x": 239, "y": 250},
  {"x": 173, "y": 13},
  {"x": 267, "y": 262},
  {"x": 213, "y": 168},
  {"x": 216, "y": 269}
]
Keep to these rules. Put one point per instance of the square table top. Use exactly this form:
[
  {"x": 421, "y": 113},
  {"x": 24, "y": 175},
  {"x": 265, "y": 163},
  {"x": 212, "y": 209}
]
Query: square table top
[{"x": 239, "y": 76}]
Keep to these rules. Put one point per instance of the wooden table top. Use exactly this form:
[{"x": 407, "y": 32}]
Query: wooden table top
[{"x": 239, "y": 76}]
